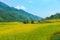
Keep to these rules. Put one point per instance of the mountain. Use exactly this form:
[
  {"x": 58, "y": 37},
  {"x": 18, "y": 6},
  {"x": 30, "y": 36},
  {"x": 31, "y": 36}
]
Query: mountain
[
  {"x": 10, "y": 14},
  {"x": 55, "y": 16}
]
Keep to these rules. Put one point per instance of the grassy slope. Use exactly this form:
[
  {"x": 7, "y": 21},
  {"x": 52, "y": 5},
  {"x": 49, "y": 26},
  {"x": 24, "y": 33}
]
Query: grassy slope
[{"x": 17, "y": 31}]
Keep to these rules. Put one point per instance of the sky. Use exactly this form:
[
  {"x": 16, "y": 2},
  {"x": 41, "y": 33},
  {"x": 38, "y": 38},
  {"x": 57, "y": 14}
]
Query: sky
[{"x": 42, "y": 8}]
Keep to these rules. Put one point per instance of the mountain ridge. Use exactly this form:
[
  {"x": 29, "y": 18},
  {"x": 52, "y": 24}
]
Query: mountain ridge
[{"x": 12, "y": 14}]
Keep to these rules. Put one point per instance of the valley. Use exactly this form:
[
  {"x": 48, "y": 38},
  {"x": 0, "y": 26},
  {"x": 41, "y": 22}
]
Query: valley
[{"x": 17, "y": 24}]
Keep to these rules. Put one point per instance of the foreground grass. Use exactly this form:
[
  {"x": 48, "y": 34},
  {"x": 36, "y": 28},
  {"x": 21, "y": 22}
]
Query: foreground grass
[{"x": 17, "y": 31}]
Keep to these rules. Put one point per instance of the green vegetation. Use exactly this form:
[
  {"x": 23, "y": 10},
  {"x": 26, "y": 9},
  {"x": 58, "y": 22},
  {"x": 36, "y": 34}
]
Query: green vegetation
[
  {"x": 55, "y": 16},
  {"x": 18, "y": 31},
  {"x": 56, "y": 36},
  {"x": 20, "y": 25},
  {"x": 10, "y": 14}
]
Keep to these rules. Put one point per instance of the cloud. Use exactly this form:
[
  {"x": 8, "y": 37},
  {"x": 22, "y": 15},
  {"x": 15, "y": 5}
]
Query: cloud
[{"x": 21, "y": 7}]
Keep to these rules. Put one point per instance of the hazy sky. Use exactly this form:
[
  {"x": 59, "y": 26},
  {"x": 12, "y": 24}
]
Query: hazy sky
[{"x": 42, "y": 8}]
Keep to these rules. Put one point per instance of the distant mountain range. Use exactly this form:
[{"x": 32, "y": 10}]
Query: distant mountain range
[{"x": 11, "y": 14}]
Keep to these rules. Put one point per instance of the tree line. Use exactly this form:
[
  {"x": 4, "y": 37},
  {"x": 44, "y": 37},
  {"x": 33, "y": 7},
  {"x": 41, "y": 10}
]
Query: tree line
[{"x": 55, "y": 16}]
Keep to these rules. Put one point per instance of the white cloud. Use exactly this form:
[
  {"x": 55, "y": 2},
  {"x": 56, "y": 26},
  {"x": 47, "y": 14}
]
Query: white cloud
[{"x": 21, "y": 7}]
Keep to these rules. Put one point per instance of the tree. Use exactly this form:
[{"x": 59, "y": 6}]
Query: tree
[
  {"x": 25, "y": 22},
  {"x": 32, "y": 22}
]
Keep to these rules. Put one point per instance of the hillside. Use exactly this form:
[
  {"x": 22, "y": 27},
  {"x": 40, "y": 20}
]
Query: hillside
[
  {"x": 55, "y": 16},
  {"x": 10, "y": 14}
]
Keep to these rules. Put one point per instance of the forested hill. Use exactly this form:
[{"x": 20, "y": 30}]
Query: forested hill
[
  {"x": 55, "y": 16},
  {"x": 11, "y": 14}
]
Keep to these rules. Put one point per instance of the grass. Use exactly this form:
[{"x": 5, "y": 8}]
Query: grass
[
  {"x": 18, "y": 31},
  {"x": 55, "y": 36}
]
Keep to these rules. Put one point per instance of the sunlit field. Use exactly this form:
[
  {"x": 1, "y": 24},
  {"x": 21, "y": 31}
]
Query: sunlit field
[
  {"x": 29, "y": 19},
  {"x": 20, "y": 31}
]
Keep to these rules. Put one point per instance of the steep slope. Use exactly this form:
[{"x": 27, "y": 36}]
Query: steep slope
[
  {"x": 12, "y": 14},
  {"x": 31, "y": 17}
]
